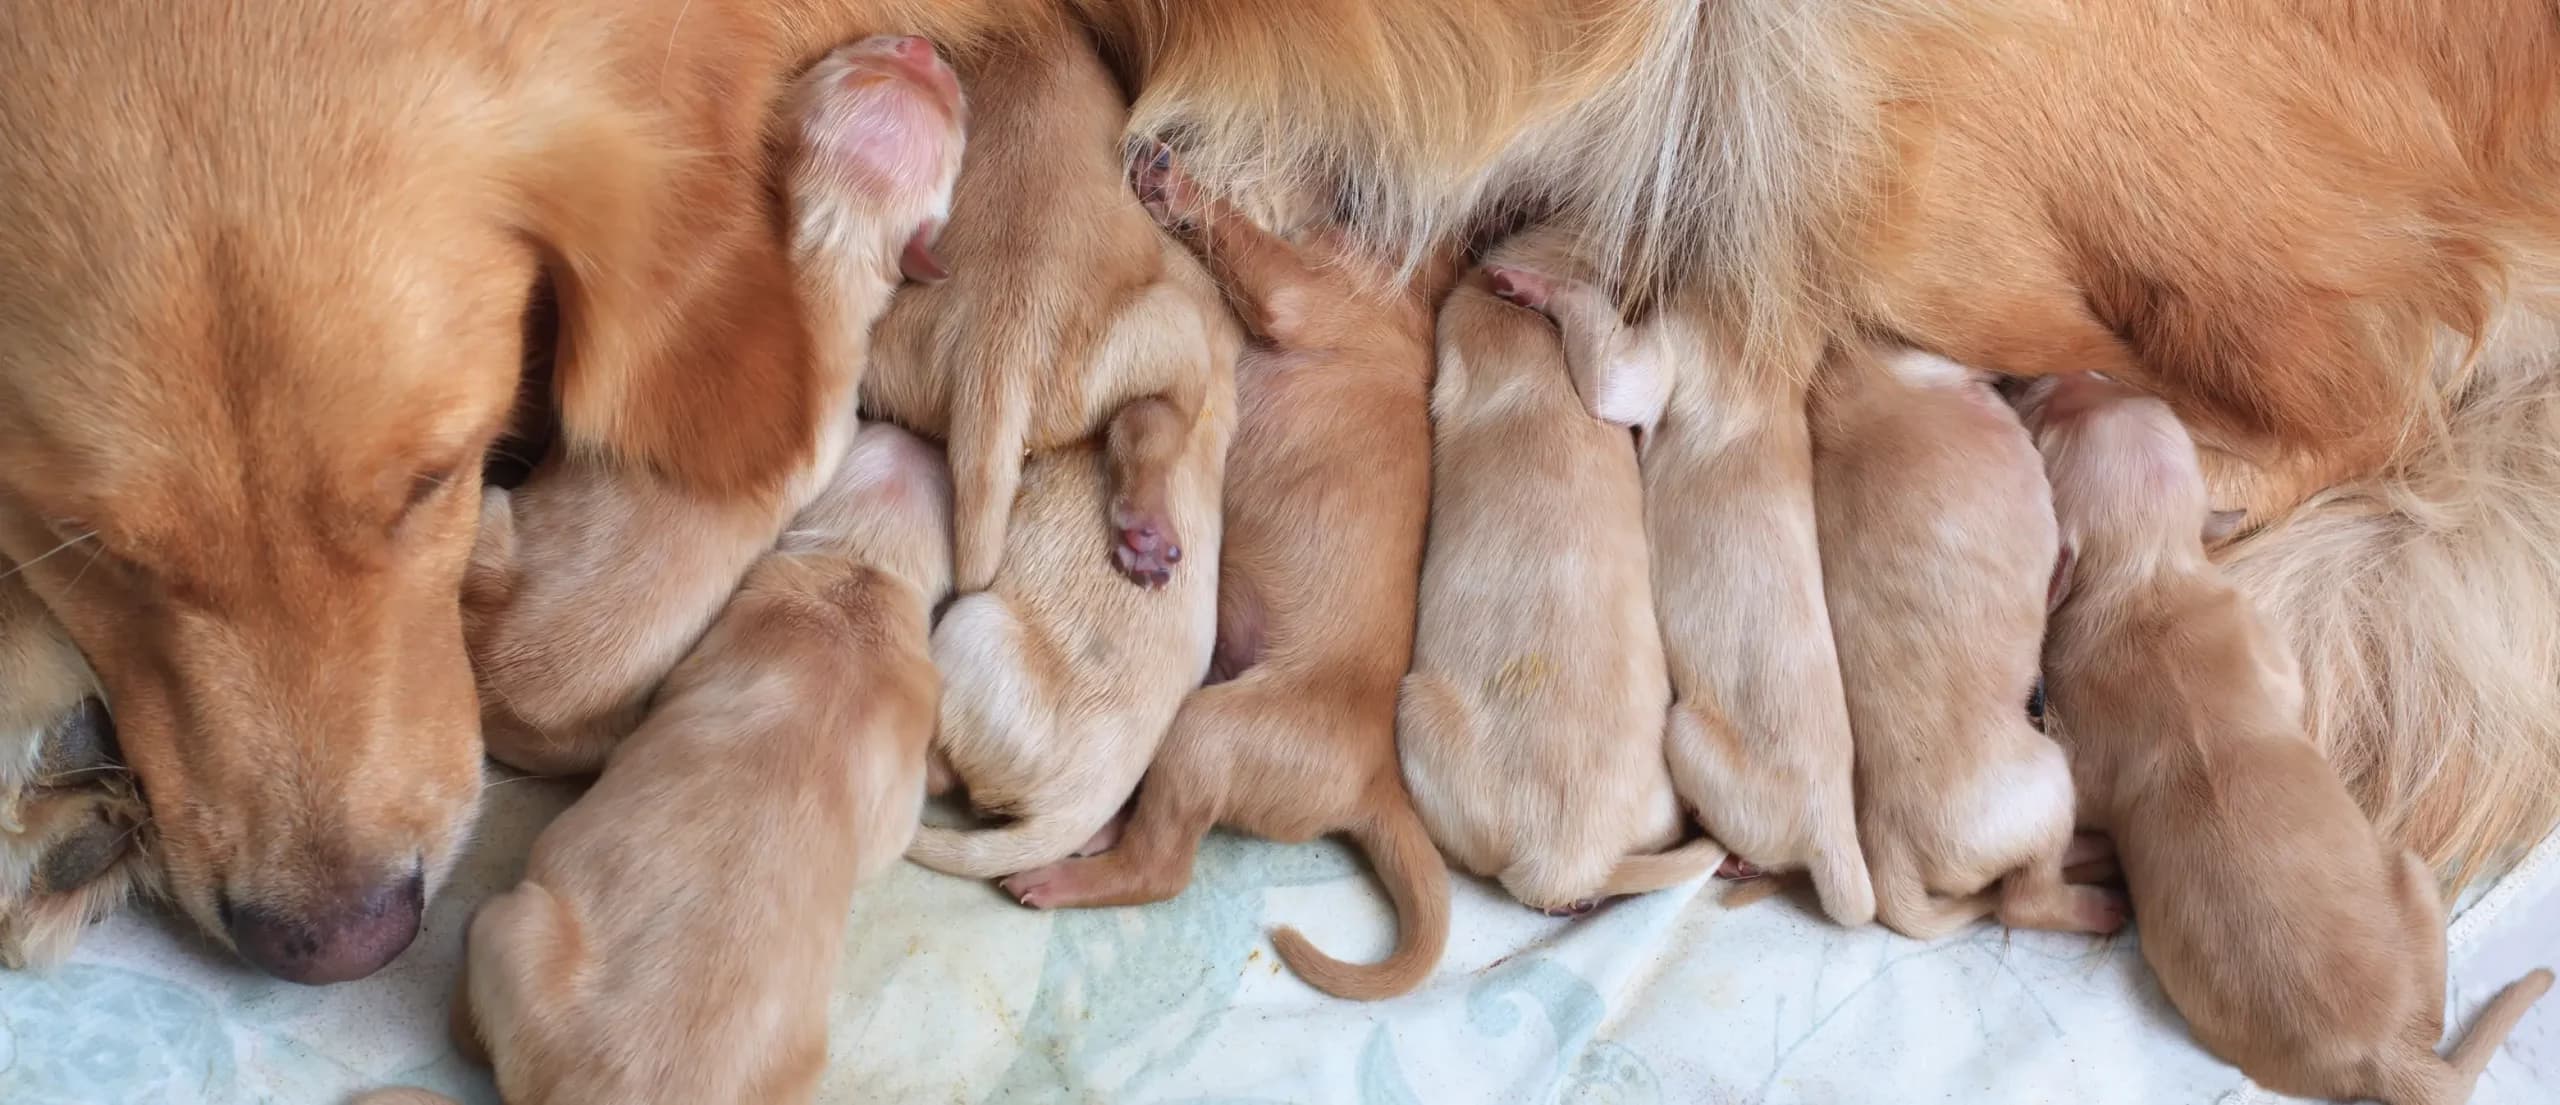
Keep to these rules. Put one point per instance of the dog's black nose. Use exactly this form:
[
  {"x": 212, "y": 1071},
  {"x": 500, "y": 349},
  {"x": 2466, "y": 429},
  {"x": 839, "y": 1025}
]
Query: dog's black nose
[{"x": 339, "y": 941}]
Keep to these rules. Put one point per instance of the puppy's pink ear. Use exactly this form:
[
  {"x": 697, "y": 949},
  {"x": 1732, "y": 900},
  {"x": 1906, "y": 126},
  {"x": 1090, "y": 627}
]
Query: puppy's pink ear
[
  {"x": 2221, "y": 524},
  {"x": 2060, "y": 584},
  {"x": 918, "y": 260}
]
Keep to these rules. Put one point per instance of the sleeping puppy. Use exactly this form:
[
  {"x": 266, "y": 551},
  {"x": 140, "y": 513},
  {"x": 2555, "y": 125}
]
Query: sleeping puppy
[
  {"x": 74, "y": 840},
  {"x": 2300, "y": 948},
  {"x": 675, "y": 935},
  {"x": 588, "y": 582},
  {"x": 1759, "y": 739},
  {"x": 1326, "y": 493},
  {"x": 1532, "y": 722},
  {"x": 1937, "y": 548},
  {"x": 1057, "y": 343},
  {"x": 1061, "y": 679}
]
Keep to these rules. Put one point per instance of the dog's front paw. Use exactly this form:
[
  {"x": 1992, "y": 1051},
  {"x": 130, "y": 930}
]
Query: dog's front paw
[{"x": 75, "y": 847}]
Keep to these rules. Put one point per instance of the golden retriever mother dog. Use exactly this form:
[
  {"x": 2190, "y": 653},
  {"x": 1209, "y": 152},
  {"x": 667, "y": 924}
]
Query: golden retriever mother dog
[{"x": 264, "y": 264}]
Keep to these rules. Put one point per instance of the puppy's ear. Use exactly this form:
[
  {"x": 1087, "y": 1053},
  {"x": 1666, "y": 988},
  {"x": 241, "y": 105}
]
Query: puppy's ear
[
  {"x": 2060, "y": 585},
  {"x": 2219, "y": 525},
  {"x": 918, "y": 260},
  {"x": 681, "y": 345}
]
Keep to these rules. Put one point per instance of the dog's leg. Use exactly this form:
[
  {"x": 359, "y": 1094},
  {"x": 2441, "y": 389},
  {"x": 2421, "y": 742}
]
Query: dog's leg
[
  {"x": 2037, "y": 897},
  {"x": 1146, "y": 439},
  {"x": 986, "y": 471},
  {"x": 1151, "y": 862}
]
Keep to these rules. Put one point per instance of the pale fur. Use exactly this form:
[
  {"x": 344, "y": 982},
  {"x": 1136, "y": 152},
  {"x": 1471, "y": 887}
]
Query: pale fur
[
  {"x": 1039, "y": 352},
  {"x": 568, "y": 639},
  {"x": 1938, "y": 543},
  {"x": 1325, "y": 503},
  {"x": 2300, "y": 946},
  {"x": 1531, "y": 725},
  {"x": 675, "y": 936}
]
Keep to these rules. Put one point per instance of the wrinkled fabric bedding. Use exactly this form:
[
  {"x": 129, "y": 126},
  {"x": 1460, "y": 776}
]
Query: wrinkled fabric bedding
[{"x": 948, "y": 993}]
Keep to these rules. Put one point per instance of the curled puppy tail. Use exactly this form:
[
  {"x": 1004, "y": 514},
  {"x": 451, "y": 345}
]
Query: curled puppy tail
[
  {"x": 1651, "y": 871},
  {"x": 1035, "y": 841},
  {"x": 1417, "y": 880}
]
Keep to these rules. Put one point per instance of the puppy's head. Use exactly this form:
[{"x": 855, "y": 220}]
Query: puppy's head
[
  {"x": 262, "y": 297},
  {"x": 2124, "y": 472}
]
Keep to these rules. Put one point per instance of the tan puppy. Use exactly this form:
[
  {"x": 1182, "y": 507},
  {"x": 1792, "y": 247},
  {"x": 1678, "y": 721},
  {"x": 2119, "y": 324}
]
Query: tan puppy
[
  {"x": 1060, "y": 680},
  {"x": 1758, "y": 739},
  {"x": 1532, "y": 723},
  {"x": 589, "y": 582},
  {"x": 675, "y": 936},
  {"x": 1937, "y": 548},
  {"x": 2299, "y": 946},
  {"x": 74, "y": 835},
  {"x": 1325, "y": 501},
  {"x": 1058, "y": 341}
]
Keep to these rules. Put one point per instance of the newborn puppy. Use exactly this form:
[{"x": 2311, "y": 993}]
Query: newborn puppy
[
  {"x": 1057, "y": 340},
  {"x": 1937, "y": 547},
  {"x": 1061, "y": 679},
  {"x": 74, "y": 841},
  {"x": 1325, "y": 500},
  {"x": 2300, "y": 947},
  {"x": 591, "y": 580},
  {"x": 1532, "y": 723},
  {"x": 1759, "y": 738},
  {"x": 676, "y": 934}
]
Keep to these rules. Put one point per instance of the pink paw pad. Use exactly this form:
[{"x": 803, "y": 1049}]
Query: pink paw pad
[{"x": 1147, "y": 552}]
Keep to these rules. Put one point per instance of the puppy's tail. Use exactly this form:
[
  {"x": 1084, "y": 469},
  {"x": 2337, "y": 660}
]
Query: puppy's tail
[
  {"x": 2418, "y": 1077},
  {"x": 1840, "y": 878},
  {"x": 1417, "y": 880},
  {"x": 1034, "y": 841},
  {"x": 1651, "y": 871}
]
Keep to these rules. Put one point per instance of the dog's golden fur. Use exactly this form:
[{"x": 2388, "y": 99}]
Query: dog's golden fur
[
  {"x": 2279, "y": 212},
  {"x": 2299, "y": 946}
]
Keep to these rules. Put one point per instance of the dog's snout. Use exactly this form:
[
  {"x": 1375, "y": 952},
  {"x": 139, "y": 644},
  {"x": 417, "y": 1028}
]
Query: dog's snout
[{"x": 334, "y": 940}]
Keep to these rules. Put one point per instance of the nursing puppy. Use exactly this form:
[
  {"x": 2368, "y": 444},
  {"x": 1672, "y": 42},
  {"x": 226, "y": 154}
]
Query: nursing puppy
[
  {"x": 1532, "y": 723},
  {"x": 1759, "y": 739},
  {"x": 1058, "y": 342},
  {"x": 2300, "y": 947},
  {"x": 1325, "y": 499},
  {"x": 1937, "y": 548},
  {"x": 1061, "y": 679},
  {"x": 591, "y": 580},
  {"x": 73, "y": 831},
  {"x": 675, "y": 936}
]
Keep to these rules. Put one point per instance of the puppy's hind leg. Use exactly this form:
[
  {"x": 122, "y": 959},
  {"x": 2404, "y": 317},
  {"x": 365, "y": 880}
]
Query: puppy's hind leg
[
  {"x": 1261, "y": 274},
  {"x": 1903, "y": 901},
  {"x": 1145, "y": 441},
  {"x": 2036, "y": 897},
  {"x": 986, "y": 472},
  {"x": 1150, "y": 862}
]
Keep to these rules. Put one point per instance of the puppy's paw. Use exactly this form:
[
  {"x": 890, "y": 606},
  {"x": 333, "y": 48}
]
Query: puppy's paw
[
  {"x": 1148, "y": 547},
  {"x": 1572, "y": 909},
  {"x": 1042, "y": 887},
  {"x": 78, "y": 855},
  {"x": 2100, "y": 911},
  {"x": 1736, "y": 867}
]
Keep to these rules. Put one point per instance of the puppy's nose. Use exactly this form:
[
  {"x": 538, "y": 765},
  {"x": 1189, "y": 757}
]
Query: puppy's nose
[{"x": 340, "y": 941}]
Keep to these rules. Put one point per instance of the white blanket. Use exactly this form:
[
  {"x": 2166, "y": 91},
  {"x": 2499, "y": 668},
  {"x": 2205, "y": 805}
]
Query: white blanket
[{"x": 950, "y": 994}]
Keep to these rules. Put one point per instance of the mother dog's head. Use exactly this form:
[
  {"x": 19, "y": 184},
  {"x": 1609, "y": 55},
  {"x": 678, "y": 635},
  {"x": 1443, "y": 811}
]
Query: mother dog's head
[{"x": 264, "y": 273}]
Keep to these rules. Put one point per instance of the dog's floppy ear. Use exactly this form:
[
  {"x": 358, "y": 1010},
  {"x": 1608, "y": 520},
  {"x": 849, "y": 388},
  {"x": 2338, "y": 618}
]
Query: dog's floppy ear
[{"x": 681, "y": 344}]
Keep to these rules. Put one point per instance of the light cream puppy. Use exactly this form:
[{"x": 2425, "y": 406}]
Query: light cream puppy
[
  {"x": 1759, "y": 738},
  {"x": 2299, "y": 946},
  {"x": 676, "y": 934},
  {"x": 1531, "y": 725},
  {"x": 1937, "y": 551},
  {"x": 1052, "y": 339},
  {"x": 588, "y": 583}
]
